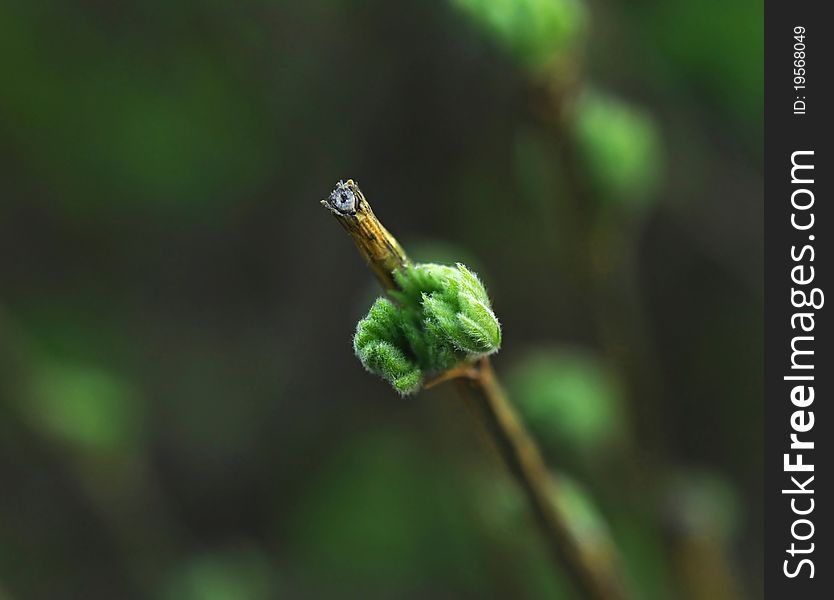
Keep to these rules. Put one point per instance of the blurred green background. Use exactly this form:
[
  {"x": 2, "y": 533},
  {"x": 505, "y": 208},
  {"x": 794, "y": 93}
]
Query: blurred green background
[{"x": 181, "y": 415}]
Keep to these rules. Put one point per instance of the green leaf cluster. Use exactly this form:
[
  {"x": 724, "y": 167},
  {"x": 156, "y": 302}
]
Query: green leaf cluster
[{"x": 440, "y": 316}]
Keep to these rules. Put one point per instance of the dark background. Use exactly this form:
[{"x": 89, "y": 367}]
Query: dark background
[{"x": 181, "y": 415}]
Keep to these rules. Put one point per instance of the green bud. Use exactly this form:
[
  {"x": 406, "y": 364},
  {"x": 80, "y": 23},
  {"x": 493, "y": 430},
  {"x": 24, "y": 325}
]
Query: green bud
[
  {"x": 533, "y": 31},
  {"x": 379, "y": 343},
  {"x": 443, "y": 317}
]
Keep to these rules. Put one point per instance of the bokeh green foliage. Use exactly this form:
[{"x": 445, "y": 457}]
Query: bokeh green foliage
[
  {"x": 442, "y": 317},
  {"x": 578, "y": 509},
  {"x": 570, "y": 400},
  {"x": 619, "y": 146},
  {"x": 643, "y": 550},
  {"x": 534, "y": 32},
  {"x": 385, "y": 508},
  {"x": 703, "y": 503},
  {"x": 165, "y": 124},
  {"x": 235, "y": 573},
  {"x": 84, "y": 408},
  {"x": 506, "y": 522},
  {"x": 719, "y": 59}
]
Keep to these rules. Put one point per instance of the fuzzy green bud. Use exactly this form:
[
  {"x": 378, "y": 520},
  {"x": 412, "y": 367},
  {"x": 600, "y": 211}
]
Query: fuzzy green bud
[{"x": 442, "y": 317}]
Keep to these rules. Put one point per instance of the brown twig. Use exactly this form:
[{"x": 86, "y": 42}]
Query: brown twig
[
  {"x": 379, "y": 248},
  {"x": 465, "y": 371},
  {"x": 590, "y": 565}
]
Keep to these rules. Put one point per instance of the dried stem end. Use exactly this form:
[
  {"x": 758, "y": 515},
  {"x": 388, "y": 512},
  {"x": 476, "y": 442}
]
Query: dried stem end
[{"x": 378, "y": 247}]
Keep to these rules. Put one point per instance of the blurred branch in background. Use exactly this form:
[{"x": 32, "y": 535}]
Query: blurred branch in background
[
  {"x": 702, "y": 514},
  {"x": 92, "y": 421},
  {"x": 93, "y": 425},
  {"x": 611, "y": 159}
]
